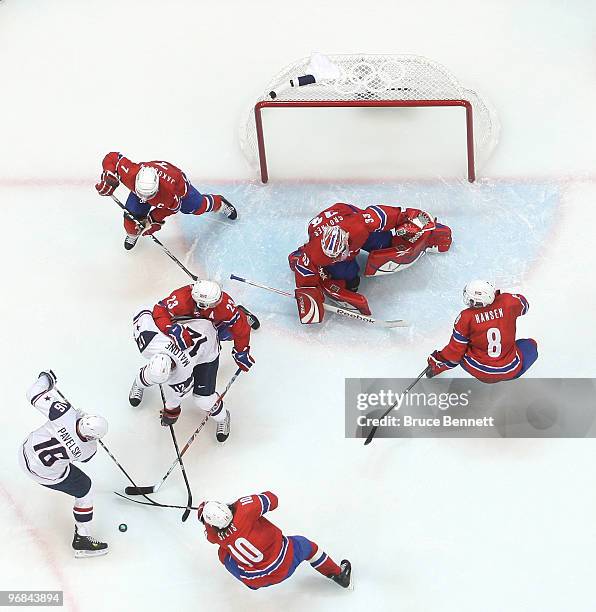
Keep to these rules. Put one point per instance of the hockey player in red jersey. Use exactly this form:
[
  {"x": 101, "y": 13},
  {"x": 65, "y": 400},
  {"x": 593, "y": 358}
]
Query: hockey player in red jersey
[
  {"x": 205, "y": 299},
  {"x": 326, "y": 265},
  {"x": 157, "y": 190},
  {"x": 483, "y": 339},
  {"x": 255, "y": 551}
]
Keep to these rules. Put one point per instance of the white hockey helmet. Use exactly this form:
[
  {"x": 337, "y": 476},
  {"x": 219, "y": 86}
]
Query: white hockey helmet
[
  {"x": 93, "y": 427},
  {"x": 479, "y": 293},
  {"x": 334, "y": 241},
  {"x": 206, "y": 293},
  {"x": 159, "y": 368},
  {"x": 146, "y": 182},
  {"x": 217, "y": 514}
]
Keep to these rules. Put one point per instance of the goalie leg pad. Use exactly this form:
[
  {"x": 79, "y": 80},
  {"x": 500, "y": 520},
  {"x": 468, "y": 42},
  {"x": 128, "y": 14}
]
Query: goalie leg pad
[
  {"x": 310, "y": 304},
  {"x": 343, "y": 297},
  {"x": 396, "y": 258},
  {"x": 440, "y": 239}
]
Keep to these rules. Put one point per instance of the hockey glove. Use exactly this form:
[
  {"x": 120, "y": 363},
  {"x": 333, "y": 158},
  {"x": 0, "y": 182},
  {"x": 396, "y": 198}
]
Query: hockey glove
[
  {"x": 107, "y": 183},
  {"x": 169, "y": 416},
  {"x": 200, "y": 512},
  {"x": 181, "y": 336},
  {"x": 151, "y": 225},
  {"x": 243, "y": 359},
  {"x": 51, "y": 377},
  {"x": 437, "y": 364}
]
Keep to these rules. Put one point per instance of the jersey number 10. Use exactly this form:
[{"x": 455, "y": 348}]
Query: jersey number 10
[{"x": 245, "y": 552}]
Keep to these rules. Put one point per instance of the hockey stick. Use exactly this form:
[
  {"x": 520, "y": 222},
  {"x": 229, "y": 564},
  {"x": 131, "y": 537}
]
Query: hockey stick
[
  {"x": 373, "y": 431},
  {"x": 106, "y": 448},
  {"x": 189, "y": 499},
  {"x": 138, "y": 501},
  {"x": 155, "y": 488},
  {"x": 154, "y": 238},
  {"x": 340, "y": 311}
]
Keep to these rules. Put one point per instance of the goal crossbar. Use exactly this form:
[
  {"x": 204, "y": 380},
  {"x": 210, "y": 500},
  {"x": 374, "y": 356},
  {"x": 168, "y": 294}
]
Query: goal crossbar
[{"x": 259, "y": 106}]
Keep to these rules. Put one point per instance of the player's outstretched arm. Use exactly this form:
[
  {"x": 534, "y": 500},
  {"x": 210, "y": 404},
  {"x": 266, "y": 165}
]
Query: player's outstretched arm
[
  {"x": 269, "y": 501},
  {"x": 44, "y": 397}
]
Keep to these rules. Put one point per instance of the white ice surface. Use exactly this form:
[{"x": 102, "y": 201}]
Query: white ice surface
[{"x": 454, "y": 525}]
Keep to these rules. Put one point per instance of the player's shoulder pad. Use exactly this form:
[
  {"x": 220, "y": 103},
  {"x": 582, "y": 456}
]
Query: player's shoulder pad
[{"x": 58, "y": 409}]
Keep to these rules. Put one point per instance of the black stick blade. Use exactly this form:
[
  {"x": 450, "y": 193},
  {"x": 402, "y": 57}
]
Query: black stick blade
[
  {"x": 186, "y": 513},
  {"x": 139, "y": 490},
  {"x": 370, "y": 437}
]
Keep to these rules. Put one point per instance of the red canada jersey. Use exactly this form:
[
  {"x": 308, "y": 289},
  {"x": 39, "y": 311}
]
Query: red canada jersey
[
  {"x": 484, "y": 338},
  {"x": 357, "y": 222},
  {"x": 251, "y": 547},
  {"x": 180, "y": 305},
  {"x": 173, "y": 184}
]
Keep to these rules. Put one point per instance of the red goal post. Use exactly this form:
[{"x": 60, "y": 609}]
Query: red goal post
[{"x": 374, "y": 81}]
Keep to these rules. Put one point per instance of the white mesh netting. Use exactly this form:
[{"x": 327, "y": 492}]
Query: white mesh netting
[{"x": 375, "y": 77}]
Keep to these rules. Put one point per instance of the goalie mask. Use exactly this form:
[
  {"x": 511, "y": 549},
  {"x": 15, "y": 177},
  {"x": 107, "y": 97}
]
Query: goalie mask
[{"x": 334, "y": 241}]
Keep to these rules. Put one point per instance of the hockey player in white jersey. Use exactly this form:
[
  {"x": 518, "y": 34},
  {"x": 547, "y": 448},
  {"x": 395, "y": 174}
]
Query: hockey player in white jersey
[
  {"x": 179, "y": 372},
  {"x": 48, "y": 453}
]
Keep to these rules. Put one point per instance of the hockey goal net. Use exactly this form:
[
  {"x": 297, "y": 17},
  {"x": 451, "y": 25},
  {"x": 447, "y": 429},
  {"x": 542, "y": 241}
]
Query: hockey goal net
[{"x": 371, "y": 81}]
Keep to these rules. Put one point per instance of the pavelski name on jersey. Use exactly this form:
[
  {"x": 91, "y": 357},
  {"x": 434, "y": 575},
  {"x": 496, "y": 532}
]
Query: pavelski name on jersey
[{"x": 70, "y": 443}]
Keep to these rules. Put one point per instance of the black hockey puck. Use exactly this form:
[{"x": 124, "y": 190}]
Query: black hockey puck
[{"x": 122, "y": 527}]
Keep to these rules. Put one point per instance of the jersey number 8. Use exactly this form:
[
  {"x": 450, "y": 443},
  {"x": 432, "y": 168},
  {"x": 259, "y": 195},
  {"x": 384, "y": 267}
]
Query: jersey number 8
[{"x": 493, "y": 337}]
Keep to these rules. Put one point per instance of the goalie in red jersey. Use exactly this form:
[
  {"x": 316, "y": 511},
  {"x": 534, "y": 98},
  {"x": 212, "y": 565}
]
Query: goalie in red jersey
[
  {"x": 483, "y": 339},
  {"x": 206, "y": 300},
  {"x": 255, "y": 551},
  {"x": 157, "y": 190},
  {"x": 326, "y": 265}
]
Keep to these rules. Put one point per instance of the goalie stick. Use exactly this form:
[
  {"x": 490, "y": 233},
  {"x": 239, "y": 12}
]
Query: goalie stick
[
  {"x": 373, "y": 431},
  {"x": 335, "y": 309},
  {"x": 154, "y": 238},
  {"x": 155, "y": 488}
]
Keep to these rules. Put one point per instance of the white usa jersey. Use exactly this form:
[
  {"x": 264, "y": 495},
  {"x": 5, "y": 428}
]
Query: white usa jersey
[
  {"x": 151, "y": 341},
  {"x": 47, "y": 452}
]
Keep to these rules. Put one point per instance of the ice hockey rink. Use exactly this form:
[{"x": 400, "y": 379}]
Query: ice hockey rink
[{"x": 448, "y": 525}]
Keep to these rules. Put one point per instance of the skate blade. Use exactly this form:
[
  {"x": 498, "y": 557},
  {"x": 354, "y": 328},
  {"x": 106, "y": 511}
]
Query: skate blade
[
  {"x": 350, "y": 587},
  {"x": 81, "y": 554}
]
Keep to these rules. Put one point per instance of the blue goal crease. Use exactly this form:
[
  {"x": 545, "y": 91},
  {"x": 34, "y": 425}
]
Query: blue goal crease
[{"x": 499, "y": 232}]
